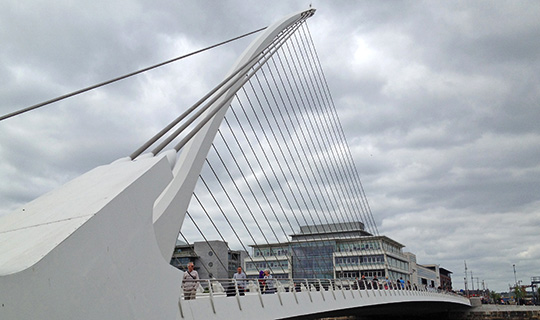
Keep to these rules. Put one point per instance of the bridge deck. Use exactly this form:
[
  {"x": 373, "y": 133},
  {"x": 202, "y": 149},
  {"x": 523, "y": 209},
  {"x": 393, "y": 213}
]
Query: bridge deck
[{"x": 314, "y": 304}]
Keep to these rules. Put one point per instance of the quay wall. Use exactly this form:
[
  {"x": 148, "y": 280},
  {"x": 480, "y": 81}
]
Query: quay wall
[
  {"x": 498, "y": 312},
  {"x": 482, "y": 312}
]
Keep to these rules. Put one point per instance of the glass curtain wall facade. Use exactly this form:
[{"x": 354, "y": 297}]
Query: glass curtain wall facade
[
  {"x": 313, "y": 259},
  {"x": 341, "y": 252}
]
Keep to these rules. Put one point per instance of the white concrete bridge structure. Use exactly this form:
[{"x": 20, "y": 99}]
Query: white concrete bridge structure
[
  {"x": 313, "y": 299},
  {"x": 99, "y": 247}
]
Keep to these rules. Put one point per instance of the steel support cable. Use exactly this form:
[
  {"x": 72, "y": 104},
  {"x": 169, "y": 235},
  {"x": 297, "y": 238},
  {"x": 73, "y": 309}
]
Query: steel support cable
[
  {"x": 331, "y": 126},
  {"x": 251, "y": 189},
  {"x": 206, "y": 240},
  {"x": 232, "y": 204},
  {"x": 317, "y": 72},
  {"x": 293, "y": 91},
  {"x": 303, "y": 133},
  {"x": 210, "y": 218},
  {"x": 314, "y": 103},
  {"x": 347, "y": 244},
  {"x": 278, "y": 164},
  {"x": 348, "y": 206},
  {"x": 288, "y": 97},
  {"x": 338, "y": 122},
  {"x": 332, "y": 112},
  {"x": 225, "y": 101},
  {"x": 329, "y": 146},
  {"x": 309, "y": 163},
  {"x": 241, "y": 196},
  {"x": 226, "y": 83},
  {"x": 223, "y": 214},
  {"x": 192, "y": 250},
  {"x": 286, "y": 163},
  {"x": 209, "y": 115},
  {"x": 42, "y": 104},
  {"x": 222, "y": 87},
  {"x": 317, "y": 102},
  {"x": 254, "y": 174},
  {"x": 290, "y": 153},
  {"x": 264, "y": 171},
  {"x": 336, "y": 119},
  {"x": 342, "y": 134},
  {"x": 283, "y": 119},
  {"x": 252, "y": 193},
  {"x": 282, "y": 209}
]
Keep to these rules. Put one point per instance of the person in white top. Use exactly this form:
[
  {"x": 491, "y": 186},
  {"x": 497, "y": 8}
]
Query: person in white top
[
  {"x": 240, "y": 280},
  {"x": 190, "y": 282},
  {"x": 269, "y": 283}
]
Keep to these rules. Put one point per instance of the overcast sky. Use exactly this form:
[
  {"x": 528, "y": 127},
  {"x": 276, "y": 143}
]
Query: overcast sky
[{"x": 439, "y": 102}]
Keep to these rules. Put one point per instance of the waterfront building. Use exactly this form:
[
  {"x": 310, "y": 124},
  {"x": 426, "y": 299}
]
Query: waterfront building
[
  {"x": 427, "y": 277},
  {"x": 212, "y": 259},
  {"x": 331, "y": 251}
]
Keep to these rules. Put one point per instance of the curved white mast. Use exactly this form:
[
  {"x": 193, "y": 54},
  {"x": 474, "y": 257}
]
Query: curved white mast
[{"x": 170, "y": 208}]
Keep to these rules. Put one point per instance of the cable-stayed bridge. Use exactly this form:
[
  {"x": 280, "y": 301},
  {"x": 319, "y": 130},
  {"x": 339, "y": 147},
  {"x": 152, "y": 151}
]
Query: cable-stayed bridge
[{"x": 260, "y": 155}]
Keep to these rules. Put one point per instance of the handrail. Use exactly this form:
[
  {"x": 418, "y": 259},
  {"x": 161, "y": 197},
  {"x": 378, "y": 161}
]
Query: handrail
[{"x": 239, "y": 287}]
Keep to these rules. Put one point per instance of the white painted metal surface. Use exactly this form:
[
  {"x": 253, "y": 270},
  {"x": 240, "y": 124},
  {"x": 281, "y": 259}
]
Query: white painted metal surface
[
  {"x": 88, "y": 251},
  {"x": 288, "y": 304}
]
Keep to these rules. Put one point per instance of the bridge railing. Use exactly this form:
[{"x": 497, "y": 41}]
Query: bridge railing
[
  {"x": 282, "y": 289},
  {"x": 239, "y": 287}
]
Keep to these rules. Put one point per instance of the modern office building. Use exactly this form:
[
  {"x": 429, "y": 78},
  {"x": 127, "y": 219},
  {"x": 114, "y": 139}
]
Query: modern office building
[
  {"x": 443, "y": 280},
  {"x": 331, "y": 251},
  {"x": 429, "y": 275},
  {"x": 211, "y": 259}
]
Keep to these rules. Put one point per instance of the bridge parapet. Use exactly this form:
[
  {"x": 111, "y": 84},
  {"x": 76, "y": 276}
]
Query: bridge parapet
[{"x": 288, "y": 298}]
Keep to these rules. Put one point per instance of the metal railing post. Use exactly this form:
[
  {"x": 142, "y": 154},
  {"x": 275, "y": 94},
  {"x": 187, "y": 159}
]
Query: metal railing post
[
  {"x": 277, "y": 288},
  {"x": 237, "y": 293},
  {"x": 180, "y": 307},
  {"x": 321, "y": 289},
  {"x": 211, "y": 295},
  {"x": 333, "y": 288},
  {"x": 365, "y": 287},
  {"x": 358, "y": 287},
  {"x": 260, "y": 293},
  {"x": 308, "y": 290},
  {"x": 293, "y": 290},
  {"x": 342, "y": 289}
]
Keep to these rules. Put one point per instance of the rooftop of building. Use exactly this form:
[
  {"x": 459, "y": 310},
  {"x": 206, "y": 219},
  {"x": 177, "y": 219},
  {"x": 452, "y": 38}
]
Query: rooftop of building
[
  {"x": 331, "y": 228},
  {"x": 337, "y": 239},
  {"x": 433, "y": 267}
]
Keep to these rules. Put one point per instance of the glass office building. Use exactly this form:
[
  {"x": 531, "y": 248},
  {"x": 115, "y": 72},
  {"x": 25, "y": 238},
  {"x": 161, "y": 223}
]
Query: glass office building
[{"x": 331, "y": 251}]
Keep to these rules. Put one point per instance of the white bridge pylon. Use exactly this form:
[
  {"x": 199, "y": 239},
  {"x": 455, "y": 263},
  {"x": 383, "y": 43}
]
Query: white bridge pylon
[{"x": 99, "y": 247}]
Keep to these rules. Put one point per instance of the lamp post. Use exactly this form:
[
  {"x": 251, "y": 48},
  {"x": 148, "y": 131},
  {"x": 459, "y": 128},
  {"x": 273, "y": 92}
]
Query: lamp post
[
  {"x": 515, "y": 278},
  {"x": 515, "y": 285}
]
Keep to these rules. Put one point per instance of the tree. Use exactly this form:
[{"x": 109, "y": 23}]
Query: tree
[
  {"x": 495, "y": 297},
  {"x": 519, "y": 293}
]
